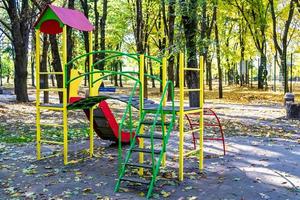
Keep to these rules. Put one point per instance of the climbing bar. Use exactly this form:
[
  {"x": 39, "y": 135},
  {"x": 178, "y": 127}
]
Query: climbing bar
[
  {"x": 191, "y": 152},
  {"x": 191, "y": 131},
  {"x": 192, "y": 111},
  {"x": 193, "y": 90},
  {"x": 51, "y": 73},
  {"x": 53, "y": 90},
  {"x": 54, "y": 125},
  {"x": 51, "y": 142},
  {"x": 192, "y": 69},
  {"x": 51, "y": 108}
]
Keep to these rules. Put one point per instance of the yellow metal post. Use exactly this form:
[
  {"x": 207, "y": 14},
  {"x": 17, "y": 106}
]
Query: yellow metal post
[
  {"x": 141, "y": 107},
  {"x": 38, "y": 114},
  {"x": 164, "y": 81},
  {"x": 91, "y": 93},
  {"x": 65, "y": 101},
  {"x": 181, "y": 115},
  {"x": 201, "y": 122}
]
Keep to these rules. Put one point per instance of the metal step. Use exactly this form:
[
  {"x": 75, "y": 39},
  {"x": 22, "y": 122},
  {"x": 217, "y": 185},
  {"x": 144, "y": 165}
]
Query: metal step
[
  {"x": 136, "y": 149},
  {"x": 147, "y": 135},
  {"x": 138, "y": 165},
  {"x": 158, "y": 123},
  {"x": 135, "y": 180}
]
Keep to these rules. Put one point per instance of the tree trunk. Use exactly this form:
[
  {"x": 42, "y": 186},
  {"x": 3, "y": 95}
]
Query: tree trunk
[
  {"x": 282, "y": 49},
  {"x": 96, "y": 34},
  {"x": 171, "y": 16},
  {"x": 209, "y": 72},
  {"x": 177, "y": 73},
  {"x": 120, "y": 76},
  {"x": 102, "y": 32},
  {"x": 85, "y": 8},
  {"x": 56, "y": 64},
  {"x": 262, "y": 70},
  {"x": 220, "y": 73},
  {"x": 43, "y": 68},
  {"x": 189, "y": 19},
  {"x": 19, "y": 27}
]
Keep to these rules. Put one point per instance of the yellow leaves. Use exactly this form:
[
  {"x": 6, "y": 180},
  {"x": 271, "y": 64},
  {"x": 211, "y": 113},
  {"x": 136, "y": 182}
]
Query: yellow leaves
[
  {"x": 87, "y": 190},
  {"x": 165, "y": 194}
]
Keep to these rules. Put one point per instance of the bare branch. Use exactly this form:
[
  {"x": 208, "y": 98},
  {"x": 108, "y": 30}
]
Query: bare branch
[{"x": 6, "y": 34}]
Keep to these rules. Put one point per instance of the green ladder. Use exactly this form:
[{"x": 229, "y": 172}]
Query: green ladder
[{"x": 154, "y": 136}]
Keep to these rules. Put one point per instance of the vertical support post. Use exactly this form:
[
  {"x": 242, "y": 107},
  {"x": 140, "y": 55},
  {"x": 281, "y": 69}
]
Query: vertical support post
[
  {"x": 90, "y": 60},
  {"x": 37, "y": 76},
  {"x": 164, "y": 81},
  {"x": 201, "y": 122},
  {"x": 291, "y": 82},
  {"x": 275, "y": 59},
  {"x": 90, "y": 92},
  {"x": 141, "y": 107},
  {"x": 181, "y": 115},
  {"x": 65, "y": 111}
]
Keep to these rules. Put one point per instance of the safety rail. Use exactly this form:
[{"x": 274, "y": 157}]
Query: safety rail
[
  {"x": 156, "y": 167},
  {"x": 134, "y": 56},
  {"x": 128, "y": 109}
]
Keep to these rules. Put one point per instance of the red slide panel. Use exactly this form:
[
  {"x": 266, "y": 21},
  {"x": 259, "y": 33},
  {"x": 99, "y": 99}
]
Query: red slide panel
[{"x": 110, "y": 120}]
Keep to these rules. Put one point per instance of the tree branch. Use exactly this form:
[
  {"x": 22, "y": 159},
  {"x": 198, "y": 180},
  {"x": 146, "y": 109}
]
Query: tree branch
[
  {"x": 5, "y": 25},
  {"x": 6, "y": 34}
]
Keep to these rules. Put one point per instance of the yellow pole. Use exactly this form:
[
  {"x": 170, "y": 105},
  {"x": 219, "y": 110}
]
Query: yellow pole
[
  {"x": 201, "y": 123},
  {"x": 65, "y": 111},
  {"x": 141, "y": 107},
  {"x": 181, "y": 115},
  {"x": 90, "y": 91},
  {"x": 164, "y": 81},
  {"x": 37, "y": 76}
]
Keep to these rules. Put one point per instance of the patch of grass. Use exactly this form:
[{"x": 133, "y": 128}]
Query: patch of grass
[{"x": 25, "y": 134}]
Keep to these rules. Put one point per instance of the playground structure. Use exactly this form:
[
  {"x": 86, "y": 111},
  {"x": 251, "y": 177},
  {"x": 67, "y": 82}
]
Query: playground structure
[{"x": 54, "y": 20}]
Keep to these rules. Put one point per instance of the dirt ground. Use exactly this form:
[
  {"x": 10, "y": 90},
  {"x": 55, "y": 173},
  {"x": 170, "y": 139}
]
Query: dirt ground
[
  {"x": 262, "y": 160},
  {"x": 254, "y": 168}
]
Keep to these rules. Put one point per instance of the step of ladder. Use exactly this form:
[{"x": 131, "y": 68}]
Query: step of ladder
[
  {"x": 147, "y": 135},
  {"x": 135, "y": 180},
  {"x": 138, "y": 165},
  {"x": 136, "y": 149},
  {"x": 158, "y": 123}
]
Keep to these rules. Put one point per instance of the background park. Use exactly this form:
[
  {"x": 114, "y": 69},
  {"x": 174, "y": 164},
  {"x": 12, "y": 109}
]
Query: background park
[{"x": 187, "y": 99}]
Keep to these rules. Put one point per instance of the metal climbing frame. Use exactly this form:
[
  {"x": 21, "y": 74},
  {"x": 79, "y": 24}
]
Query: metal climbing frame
[
  {"x": 215, "y": 125},
  {"x": 183, "y": 112},
  {"x": 57, "y": 107}
]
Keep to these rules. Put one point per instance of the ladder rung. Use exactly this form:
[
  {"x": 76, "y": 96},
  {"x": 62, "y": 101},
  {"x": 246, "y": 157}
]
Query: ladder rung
[
  {"x": 138, "y": 165},
  {"x": 51, "y": 73},
  {"x": 54, "y": 125},
  {"x": 192, "y": 131},
  {"x": 193, "y": 90},
  {"x": 135, "y": 180},
  {"x": 158, "y": 123},
  {"x": 53, "y": 90},
  {"x": 51, "y": 107},
  {"x": 155, "y": 136},
  {"x": 192, "y": 69},
  {"x": 193, "y": 111},
  {"x": 145, "y": 150},
  {"x": 51, "y": 142}
]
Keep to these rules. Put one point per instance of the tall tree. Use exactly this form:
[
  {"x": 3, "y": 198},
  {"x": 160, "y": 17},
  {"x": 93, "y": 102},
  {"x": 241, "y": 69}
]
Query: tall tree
[
  {"x": 103, "y": 32},
  {"x": 220, "y": 73},
  {"x": 255, "y": 14},
  {"x": 189, "y": 20},
  {"x": 20, "y": 15},
  {"x": 281, "y": 42},
  {"x": 171, "y": 31},
  {"x": 85, "y": 8}
]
